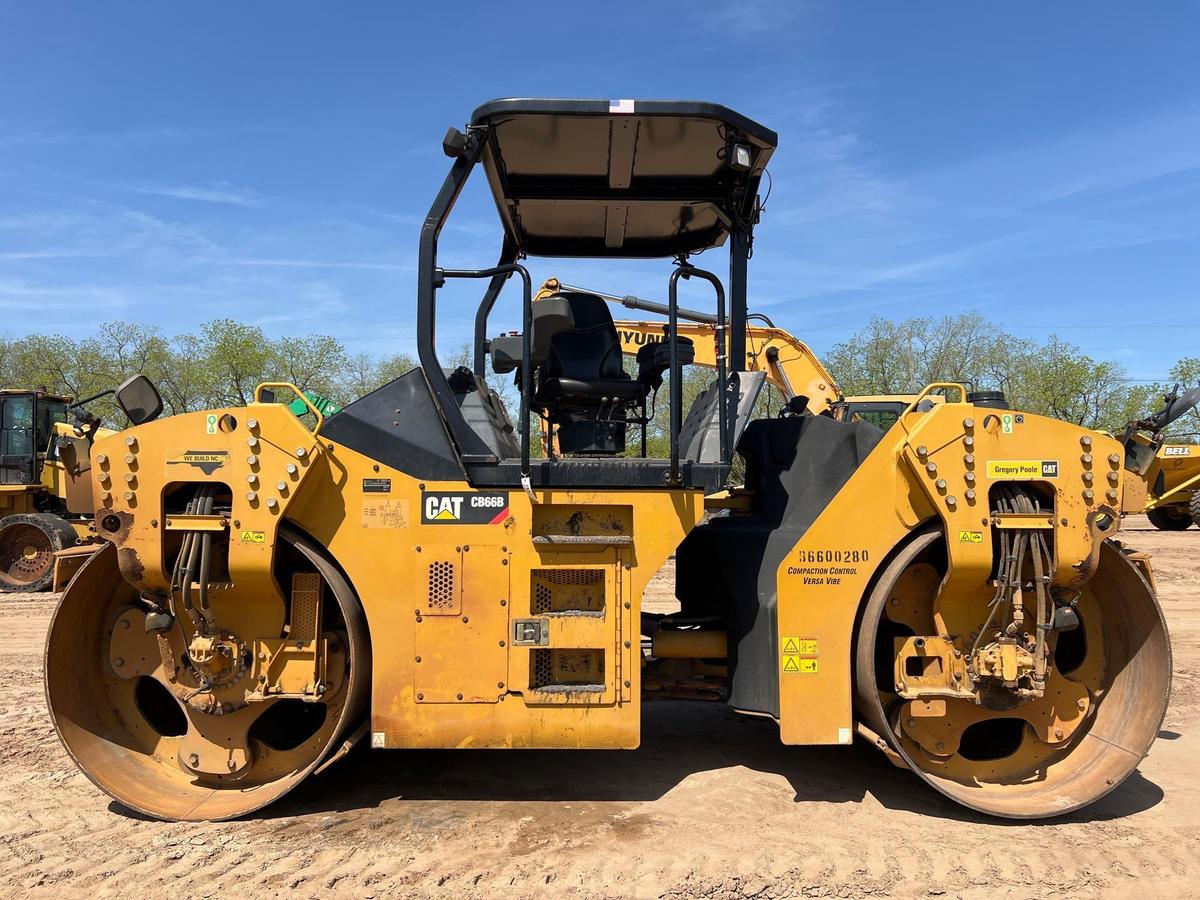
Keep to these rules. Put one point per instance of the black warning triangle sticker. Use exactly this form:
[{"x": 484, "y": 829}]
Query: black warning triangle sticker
[
  {"x": 790, "y": 665},
  {"x": 789, "y": 646}
]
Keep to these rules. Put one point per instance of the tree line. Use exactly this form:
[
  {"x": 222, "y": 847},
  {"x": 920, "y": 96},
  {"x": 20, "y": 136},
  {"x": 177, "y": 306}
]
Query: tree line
[{"x": 220, "y": 364}]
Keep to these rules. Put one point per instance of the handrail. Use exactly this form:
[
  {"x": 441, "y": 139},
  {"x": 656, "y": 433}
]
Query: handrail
[
  {"x": 688, "y": 271},
  {"x": 503, "y": 272},
  {"x": 299, "y": 393},
  {"x": 929, "y": 389}
]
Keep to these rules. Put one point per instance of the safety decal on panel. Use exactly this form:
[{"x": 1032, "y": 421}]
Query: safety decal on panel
[
  {"x": 464, "y": 507},
  {"x": 252, "y": 537},
  {"x": 384, "y": 513},
  {"x": 798, "y": 656},
  {"x": 207, "y": 461},
  {"x": 970, "y": 537},
  {"x": 1001, "y": 469}
]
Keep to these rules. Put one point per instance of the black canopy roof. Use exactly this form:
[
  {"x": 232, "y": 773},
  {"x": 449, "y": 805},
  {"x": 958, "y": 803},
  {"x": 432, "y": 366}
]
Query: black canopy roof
[{"x": 645, "y": 178}]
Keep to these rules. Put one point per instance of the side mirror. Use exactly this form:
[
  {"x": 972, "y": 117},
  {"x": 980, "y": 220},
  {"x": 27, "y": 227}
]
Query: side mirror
[{"x": 139, "y": 400}]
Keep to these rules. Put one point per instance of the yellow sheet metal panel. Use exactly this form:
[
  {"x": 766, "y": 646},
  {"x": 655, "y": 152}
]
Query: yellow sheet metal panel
[
  {"x": 584, "y": 599},
  {"x": 939, "y": 466}
]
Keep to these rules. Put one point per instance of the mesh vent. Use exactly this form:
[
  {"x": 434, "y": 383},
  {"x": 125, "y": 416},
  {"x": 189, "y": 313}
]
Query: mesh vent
[
  {"x": 567, "y": 591},
  {"x": 540, "y": 666},
  {"x": 566, "y": 670},
  {"x": 306, "y": 606},
  {"x": 441, "y": 585}
]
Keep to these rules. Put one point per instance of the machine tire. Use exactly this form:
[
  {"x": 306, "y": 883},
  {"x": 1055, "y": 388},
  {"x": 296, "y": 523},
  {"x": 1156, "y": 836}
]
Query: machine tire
[
  {"x": 28, "y": 542},
  {"x": 1194, "y": 508},
  {"x": 1167, "y": 518}
]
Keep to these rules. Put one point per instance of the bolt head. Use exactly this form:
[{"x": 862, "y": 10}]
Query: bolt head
[
  {"x": 1085, "y": 441},
  {"x": 252, "y": 443},
  {"x": 252, "y": 460},
  {"x": 922, "y": 451},
  {"x": 1086, "y": 459},
  {"x": 281, "y": 486},
  {"x": 970, "y": 495},
  {"x": 119, "y": 662},
  {"x": 969, "y": 459},
  {"x": 1114, "y": 458},
  {"x": 252, "y": 423},
  {"x": 131, "y": 441},
  {"x": 941, "y": 484},
  {"x": 291, "y": 469},
  {"x": 102, "y": 459},
  {"x": 968, "y": 423},
  {"x": 951, "y": 501},
  {"x": 968, "y": 441},
  {"x": 251, "y": 496},
  {"x": 301, "y": 453},
  {"x": 272, "y": 503},
  {"x": 252, "y": 478}
]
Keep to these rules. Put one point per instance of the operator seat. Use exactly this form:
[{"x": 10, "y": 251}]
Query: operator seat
[
  {"x": 584, "y": 365},
  {"x": 581, "y": 385}
]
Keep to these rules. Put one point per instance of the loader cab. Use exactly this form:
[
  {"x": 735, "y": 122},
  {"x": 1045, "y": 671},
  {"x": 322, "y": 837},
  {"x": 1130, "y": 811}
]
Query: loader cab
[
  {"x": 27, "y": 420},
  {"x": 609, "y": 180}
]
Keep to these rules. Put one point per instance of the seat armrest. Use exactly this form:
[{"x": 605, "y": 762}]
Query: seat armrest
[{"x": 506, "y": 353}]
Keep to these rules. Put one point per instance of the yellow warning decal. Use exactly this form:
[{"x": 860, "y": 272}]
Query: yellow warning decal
[
  {"x": 1001, "y": 469},
  {"x": 253, "y": 537},
  {"x": 799, "y": 646},
  {"x": 970, "y": 537},
  {"x": 799, "y": 665}
]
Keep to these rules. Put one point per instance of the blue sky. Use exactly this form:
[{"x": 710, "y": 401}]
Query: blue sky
[{"x": 170, "y": 163}]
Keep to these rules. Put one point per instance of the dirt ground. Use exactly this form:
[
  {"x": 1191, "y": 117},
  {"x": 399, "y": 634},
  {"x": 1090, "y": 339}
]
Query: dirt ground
[{"x": 710, "y": 806}]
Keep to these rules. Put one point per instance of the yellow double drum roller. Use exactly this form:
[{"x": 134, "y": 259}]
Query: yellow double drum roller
[{"x": 273, "y": 588}]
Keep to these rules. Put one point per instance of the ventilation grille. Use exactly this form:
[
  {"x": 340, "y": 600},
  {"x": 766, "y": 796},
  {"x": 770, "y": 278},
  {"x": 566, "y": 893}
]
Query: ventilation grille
[
  {"x": 567, "y": 591},
  {"x": 566, "y": 670},
  {"x": 306, "y": 606},
  {"x": 441, "y": 586}
]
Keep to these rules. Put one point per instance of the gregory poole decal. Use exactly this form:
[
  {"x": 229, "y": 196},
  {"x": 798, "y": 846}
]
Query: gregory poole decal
[
  {"x": 207, "y": 461},
  {"x": 464, "y": 507},
  {"x": 1022, "y": 468}
]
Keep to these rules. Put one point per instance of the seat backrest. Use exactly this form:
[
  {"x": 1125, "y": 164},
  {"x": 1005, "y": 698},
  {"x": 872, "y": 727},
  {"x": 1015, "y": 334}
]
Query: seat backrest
[
  {"x": 700, "y": 436},
  {"x": 591, "y": 349}
]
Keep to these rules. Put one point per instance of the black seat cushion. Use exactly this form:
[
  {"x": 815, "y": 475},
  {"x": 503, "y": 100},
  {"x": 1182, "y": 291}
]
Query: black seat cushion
[{"x": 575, "y": 390}]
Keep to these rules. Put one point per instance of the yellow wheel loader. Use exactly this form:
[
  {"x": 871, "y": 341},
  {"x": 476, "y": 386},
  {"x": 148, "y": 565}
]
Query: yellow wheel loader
[
  {"x": 45, "y": 488},
  {"x": 1164, "y": 480},
  {"x": 273, "y": 588}
]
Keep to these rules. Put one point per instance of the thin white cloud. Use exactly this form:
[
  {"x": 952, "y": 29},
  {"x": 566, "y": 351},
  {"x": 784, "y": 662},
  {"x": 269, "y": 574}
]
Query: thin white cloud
[
  {"x": 216, "y": 193},
  {"x": 318, "y": 264}
]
